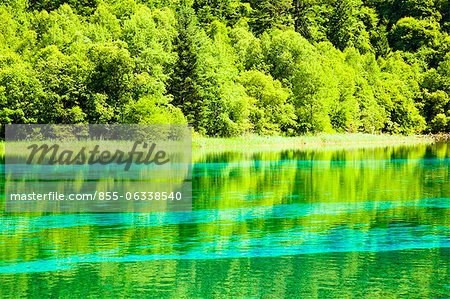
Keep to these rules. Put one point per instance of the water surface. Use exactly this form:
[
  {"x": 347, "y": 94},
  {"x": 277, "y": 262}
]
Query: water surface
[{"x": 371, "y": 223}]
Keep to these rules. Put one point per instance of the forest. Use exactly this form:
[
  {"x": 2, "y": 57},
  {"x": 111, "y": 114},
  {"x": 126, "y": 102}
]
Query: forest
[{"x": 230, "y": 67}]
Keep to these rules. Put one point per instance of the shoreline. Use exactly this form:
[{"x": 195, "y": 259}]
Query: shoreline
[
  {"x": 255, "y": 142},
  {"x": 312, "y": 141}
]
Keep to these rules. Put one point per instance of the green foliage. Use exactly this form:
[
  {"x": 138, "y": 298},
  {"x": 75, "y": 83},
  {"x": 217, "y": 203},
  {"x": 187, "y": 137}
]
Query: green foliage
[
  {"x": 63, "y": 78},
  {"x": 269, "y": 14},
  {"x": 112, "y": 75},
  {"x": 310, "y": 18},
  {"x": 247, "y": 47},
  {"x": 409, "y": 34},
  {"x": 270, "y": 111},
  {"x": 20, "y": 91},
  {"x": 229, "y": 67},
  {"x": 399, "y": 88},
  {"x": 83, "y": 7},
  {"x": 439, "y": 123},
  {"x": 228, "y": 11},
  {"x": 346, "y": 29},
  {"x": 224, "y": 99},
  {"x": 148, "y": 110}
]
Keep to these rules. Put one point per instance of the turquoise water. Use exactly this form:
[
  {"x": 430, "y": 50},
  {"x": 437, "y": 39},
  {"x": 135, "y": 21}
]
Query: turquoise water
[{"x": 371, "y": 223}]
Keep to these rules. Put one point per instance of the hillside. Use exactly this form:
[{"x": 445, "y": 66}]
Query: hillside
[{"x": 229, "y": 67}]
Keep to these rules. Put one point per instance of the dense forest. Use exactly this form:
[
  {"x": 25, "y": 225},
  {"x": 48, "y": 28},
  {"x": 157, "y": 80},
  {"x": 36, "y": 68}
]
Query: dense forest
[{"x": 230, "y": 67}]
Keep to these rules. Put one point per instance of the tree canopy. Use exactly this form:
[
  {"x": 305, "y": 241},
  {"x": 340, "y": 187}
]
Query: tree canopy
[{"x": 229, "y": 67}]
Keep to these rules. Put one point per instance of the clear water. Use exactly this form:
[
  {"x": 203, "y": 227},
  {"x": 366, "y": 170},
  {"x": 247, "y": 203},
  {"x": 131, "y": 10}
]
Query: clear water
[{"x": 371, "y": 223}]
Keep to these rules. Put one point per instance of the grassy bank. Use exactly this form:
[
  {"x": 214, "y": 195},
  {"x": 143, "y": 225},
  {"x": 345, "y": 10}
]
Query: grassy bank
[
  {"x": 313, "y": 141},
  {"x": 253, "y": 142}
]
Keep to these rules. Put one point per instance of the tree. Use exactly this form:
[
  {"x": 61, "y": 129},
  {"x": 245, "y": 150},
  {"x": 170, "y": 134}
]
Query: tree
[
  {"x": 311, "y": 17},
  {"x": 21, "y": 94},
  {"x": 111, "y": 79},
  {"x": 398, "y": 89},
  {"x": 409, "y": 34},
  {"x": 83, "y": 7},
  {"x": 226, "y": 112},
  {"x": 270, "y": 112},
  {"x": 270, "y": 14},
  {"x": 444, "y": 6},
  {"x": 183, "y": 84},
  {"x": 372, "y": 110},
  {"x": 345, "y": 29},
  {"x": 151, "y": 110},
  {"x": 62, "y": 28},
  {"x": 293, "y": 60},
  {"x": 228, "y": 11},
  {"x": 150, "y": 35},
  {"x": 249, "y": 54},
  {"x": 64, "y": 80},
  {"x": 103, "y": 25},
  {"x": 394, "y": 10}
]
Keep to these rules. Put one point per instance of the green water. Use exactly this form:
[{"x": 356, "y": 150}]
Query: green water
[{"x": 358, "y": 223}]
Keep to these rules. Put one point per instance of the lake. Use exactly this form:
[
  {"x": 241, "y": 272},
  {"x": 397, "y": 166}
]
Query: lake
[{"x": 329, "y": 223}]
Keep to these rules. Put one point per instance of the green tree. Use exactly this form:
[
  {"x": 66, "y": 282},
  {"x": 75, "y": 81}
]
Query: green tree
[
  {"x": 83, "y": 7},
  {"x": 224, "y": 98},
  {"x": 103, "y": 25},
  {"x": 372, "y": 110},
  {"x": 151, "y": 110},
  {"x": 183, "y": 83},
  {"x": 150, "y": 35},
  {"x": 21, "y": 94},
  {"x": 64, "y": 81},
  {"x": 268, "y": 14},
  {"x": 398, "y": 89},
  {"x": 228, "y": 11},
  {"x": 62, "y": 28},
  {"x": 345, "y": 27},
  {"x": 409, "y": 34},
  {"x": 111, "y": 80},
  {"x": 247, "y": 47},
  {"x": 293, "y": 60},
  {"x": 311, "y": 18},
  {"x": 270, "y": 112}
]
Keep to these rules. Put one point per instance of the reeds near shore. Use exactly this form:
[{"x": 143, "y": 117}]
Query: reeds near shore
[
  {"x": 255, "y": 142},
  {"x": 311, "y": 141}
]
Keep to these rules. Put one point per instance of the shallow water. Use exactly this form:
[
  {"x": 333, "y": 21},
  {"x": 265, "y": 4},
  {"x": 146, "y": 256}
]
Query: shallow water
[{"x": 315, "y": 223}]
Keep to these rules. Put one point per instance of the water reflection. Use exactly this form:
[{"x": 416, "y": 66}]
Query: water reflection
[{"x": 319, "y": 223}]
